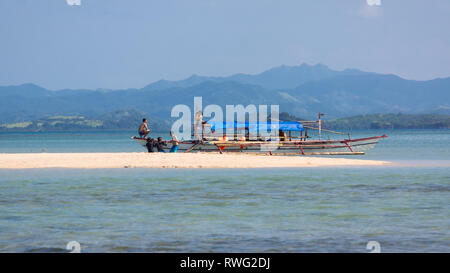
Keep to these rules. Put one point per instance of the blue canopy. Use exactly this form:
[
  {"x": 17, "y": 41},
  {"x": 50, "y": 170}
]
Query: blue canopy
[{"x": 258, "y": 126}]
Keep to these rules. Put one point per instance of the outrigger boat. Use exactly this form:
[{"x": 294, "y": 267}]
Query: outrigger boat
[{"x": 301, "y": 144}]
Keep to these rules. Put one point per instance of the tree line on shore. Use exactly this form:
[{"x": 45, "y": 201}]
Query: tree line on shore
[{"x": 130, "y": 119}]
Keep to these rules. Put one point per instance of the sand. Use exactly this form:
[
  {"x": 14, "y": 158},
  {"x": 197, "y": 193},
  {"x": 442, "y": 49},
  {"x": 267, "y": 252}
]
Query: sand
[{"x": 170, "y": 160}]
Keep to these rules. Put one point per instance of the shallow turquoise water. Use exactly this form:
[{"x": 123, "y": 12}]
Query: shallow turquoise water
[
  {"x": 400, "y": 144},
  {"x": 405, "y": 207}
]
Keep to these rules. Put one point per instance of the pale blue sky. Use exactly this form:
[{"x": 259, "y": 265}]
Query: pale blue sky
[{"x": 130, "y": 43}]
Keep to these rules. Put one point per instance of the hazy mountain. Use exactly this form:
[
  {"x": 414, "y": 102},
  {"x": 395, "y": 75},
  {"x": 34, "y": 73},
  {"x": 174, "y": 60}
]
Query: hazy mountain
[
  {"x": 373, "y": 93},
  {"x": 303, "y": 90},
  {"x": 282, "y": 77},
  {"x": 156, "y": 102}
]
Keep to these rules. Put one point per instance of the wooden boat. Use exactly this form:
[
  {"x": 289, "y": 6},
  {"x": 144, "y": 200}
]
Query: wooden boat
[
  {"x": 288, "y": 145},
  {"x": 304, "y": 147}
]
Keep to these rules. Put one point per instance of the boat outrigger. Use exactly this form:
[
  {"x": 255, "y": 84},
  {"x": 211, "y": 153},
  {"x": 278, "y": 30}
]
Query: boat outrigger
[{"x": 297, "y": 142}]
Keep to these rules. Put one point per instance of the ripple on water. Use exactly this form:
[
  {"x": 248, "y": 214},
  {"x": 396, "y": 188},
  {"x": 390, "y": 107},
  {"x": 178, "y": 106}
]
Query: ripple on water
[{"x": 289, "y": 210}]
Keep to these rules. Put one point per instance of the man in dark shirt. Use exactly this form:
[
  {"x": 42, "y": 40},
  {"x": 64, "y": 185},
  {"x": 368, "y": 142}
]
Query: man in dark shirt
[{"x": 158, "y": 144}]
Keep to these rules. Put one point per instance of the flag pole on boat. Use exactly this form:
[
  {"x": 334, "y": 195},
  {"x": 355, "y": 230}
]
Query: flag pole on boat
[{"x": 320, "y": 124}]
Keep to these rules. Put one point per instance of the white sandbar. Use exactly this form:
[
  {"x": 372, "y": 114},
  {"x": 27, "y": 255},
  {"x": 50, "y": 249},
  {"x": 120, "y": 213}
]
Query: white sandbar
[{"x": 170, "y": 160}]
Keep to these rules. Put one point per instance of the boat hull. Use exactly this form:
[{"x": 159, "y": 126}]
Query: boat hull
[{"x": 304, "y": 147}]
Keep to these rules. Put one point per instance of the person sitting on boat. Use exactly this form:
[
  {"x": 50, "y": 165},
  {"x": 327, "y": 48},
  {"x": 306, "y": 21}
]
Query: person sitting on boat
[
  {"x": 143, "y": 129},
  {"x": 174, "y": 148},
  {"x": 282, "y": 135}
]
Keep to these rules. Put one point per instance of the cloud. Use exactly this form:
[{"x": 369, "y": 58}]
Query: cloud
[
  {"x": 78, "y": 2},
  {"x": 374, "y": 2}
]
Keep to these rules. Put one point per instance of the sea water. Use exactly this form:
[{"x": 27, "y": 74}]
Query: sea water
[{"x": 404, "y": 206}]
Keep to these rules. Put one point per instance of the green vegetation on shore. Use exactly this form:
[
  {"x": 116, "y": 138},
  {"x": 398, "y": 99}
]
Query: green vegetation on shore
[
  {"x": 130, "y": 119},
  {"x": 117, "y": 120},
  {"x": 390, "y": 121},
  {"x": 382, "y": 121}
]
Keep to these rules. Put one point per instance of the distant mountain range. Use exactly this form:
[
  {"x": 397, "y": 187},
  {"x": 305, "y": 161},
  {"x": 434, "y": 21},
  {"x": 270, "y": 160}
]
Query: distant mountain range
[
  {"x": 300, "y": 90},
  {"x": 282, "y": 77}
]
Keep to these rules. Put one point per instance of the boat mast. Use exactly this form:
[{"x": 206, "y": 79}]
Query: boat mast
[{"x": 320, "y": 124}]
